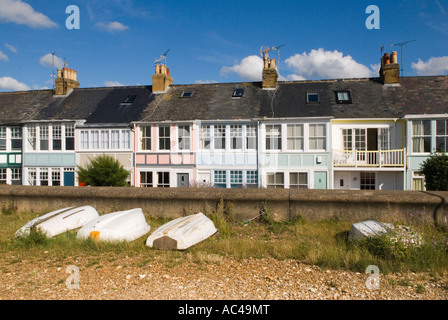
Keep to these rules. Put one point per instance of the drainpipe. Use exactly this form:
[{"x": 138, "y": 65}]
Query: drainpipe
[{"x": 259, "y": 154}]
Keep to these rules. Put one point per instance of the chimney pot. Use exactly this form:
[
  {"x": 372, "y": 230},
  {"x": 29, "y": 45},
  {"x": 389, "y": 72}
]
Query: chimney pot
[{"x": 393, "y": 57}]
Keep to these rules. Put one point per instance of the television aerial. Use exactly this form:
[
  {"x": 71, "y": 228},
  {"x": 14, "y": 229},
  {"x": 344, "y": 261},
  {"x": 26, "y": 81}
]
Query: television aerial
[
  {"x": 162, "y": 59},
  {"x": 53, "y": 75},
  {"x": 264, "y": 52},
  {"x": 401, "y": 45}
]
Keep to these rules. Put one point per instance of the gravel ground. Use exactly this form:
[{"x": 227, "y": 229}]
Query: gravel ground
[{"x": 128, "y": 278}]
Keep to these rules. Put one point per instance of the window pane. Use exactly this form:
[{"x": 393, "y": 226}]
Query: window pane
[
  {"x": 236, "y": 136},
  {"x": 251, "y": 133},
  {"x": 43, "y": 138},
  {"x": 125, "y": 139},
  {"x": 164, "y": 138},
  {"x": 220, "y": 137},
  {"x": 273, "y": 137},
  {"x": 317, "y": 136},
  {"x": 95, "y": 139},
  {"x": 295, "y": 137},
  {"x": 84, "y": 140},
  {"x": 184, "y": 137},
  {"x": 104, "y": 139},
  {"x": 367, "y": 180},
  {"x": 427, "y": 127},
  {"x": 146, "y": 179},
  {"x": 205, "y": 137},
  {"x": 275, "y": 180},
  {"x": 163, "y": 179},
  {"x": 441, "y": 128},
  {"x": 441, "y": 144},
  {"x": 146, "y": 138},
  {"x": 312, "y": 97}
]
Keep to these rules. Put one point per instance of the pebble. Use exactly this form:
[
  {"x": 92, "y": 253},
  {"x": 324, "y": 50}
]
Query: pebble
[{"x": 230, "y": 279}]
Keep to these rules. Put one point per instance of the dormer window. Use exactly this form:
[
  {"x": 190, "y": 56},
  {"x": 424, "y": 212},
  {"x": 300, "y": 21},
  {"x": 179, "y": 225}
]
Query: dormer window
[
  {"x": 343, "y": 96},
  {"x": 186, "y": 94},
  {"x": 238, "y": 93},
  {"x": 312, "y": 97}
]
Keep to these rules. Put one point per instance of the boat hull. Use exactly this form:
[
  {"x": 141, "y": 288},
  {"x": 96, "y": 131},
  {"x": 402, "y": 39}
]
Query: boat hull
[
  {"x": 182, "y": 233},
  {"x": 60, "y": 221},
  {"x": 126, "y": 225},
  {"x": 365, "y": 229}
]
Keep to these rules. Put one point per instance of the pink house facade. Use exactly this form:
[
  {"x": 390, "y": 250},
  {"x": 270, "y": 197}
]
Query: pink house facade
[{"x": 164, "y": 154}]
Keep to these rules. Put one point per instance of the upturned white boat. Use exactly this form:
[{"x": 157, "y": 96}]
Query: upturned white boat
[
  {"x": 126, "y": 225},
  {"x": 59, "y": 221},
  {"x": 365, "y": 229},
  {"x": 182, "y": 233}
]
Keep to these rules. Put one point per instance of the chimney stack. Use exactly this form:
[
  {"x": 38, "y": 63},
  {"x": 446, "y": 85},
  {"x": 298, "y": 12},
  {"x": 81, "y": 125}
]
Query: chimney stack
[
  {"x": 390, "y": 69},
  {"x": 270, "y": 74},
  {"x": 66, "y": 80},
  {"x": 161, "y": 80}
]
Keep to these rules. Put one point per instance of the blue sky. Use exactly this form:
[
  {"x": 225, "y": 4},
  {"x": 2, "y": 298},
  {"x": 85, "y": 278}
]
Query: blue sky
[{"x": 215, "y": 40}]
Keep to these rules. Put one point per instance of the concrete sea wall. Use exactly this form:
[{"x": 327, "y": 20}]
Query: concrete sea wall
[{"x": 243, "y": 204}]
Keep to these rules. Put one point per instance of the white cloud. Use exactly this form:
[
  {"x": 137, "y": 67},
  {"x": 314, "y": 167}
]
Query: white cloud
[
  {"x": 434, "y": 66},
  {"x": 327, "y": 65},
  {"x": 47, "y": 61},
  {"x": 22, "y": 13},
  {"x": 113, "y": 84},
  {"x": 206, "y": 81},
  {"x": 3, "y": 56},
  {"x": 250, "y": 68},
  {"x": 112, "y": 26},
  {"x": 38, "y": 87},
  {"x": 291, "y": 77},
  {"x": 8, "y": 83},
  {"x": 11, "y": 48}
]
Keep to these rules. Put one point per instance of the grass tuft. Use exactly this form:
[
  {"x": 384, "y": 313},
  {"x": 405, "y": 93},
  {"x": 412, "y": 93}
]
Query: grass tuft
[{"x": 323, "y": 243}]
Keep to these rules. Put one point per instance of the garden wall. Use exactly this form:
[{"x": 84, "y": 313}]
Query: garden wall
[{"x": 243, "y": 204}]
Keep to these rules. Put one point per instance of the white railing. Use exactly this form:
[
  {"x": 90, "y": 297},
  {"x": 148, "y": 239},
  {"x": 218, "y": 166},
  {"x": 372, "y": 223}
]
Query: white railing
[{"x": 382, "y": 158}]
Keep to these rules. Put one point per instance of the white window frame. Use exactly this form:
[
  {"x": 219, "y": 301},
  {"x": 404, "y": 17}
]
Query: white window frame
[
  {"x": 166, "y": 138},
  {"x": 183, "y": 137},
  {"x": 294, "y": 137},
  {"x": 420, "y": 138},
  {"x": 313, "y": 135}
]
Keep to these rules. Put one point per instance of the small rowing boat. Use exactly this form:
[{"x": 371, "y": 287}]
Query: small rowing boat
[
  {"x": 126, "y": 225},
  {"x": 365, "y": 229},
  {"x": 59, "y": 221},
  {"x": 182, "y": 233}
]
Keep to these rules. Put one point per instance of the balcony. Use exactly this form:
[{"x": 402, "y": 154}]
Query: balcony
[{"x": 373, "y": 159}]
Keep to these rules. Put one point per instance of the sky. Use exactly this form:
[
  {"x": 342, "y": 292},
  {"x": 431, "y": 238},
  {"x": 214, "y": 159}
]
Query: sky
[{"x": 116, "y": 42}]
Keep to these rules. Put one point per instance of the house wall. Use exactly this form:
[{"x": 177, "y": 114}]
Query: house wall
[
  {"x": 396, "y": 130},
  {"x": 120, "y": 149},
  {"x": 287, "y": 160},
  {"x": 384, "y": 180},
  {"x": 416, "y": 159},
  {"x": 157, "y": 163}
]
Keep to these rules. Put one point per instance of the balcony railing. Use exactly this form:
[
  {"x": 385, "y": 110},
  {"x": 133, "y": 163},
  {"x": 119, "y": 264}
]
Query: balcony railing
[{"x": 379, "y": 159}]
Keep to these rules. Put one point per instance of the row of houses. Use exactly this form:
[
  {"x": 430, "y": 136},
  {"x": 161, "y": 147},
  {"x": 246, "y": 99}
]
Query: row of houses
[{"x": 356, "y": 134}]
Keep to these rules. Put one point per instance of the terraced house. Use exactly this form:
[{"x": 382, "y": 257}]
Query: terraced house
[{"x": 354, "y": 134}]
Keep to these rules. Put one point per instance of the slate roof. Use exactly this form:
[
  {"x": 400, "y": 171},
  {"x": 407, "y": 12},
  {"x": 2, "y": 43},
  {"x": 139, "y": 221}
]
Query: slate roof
[
  {"x": 207, "y": 102},
  {"x": 95, "y": 105},
  {"x": 370, "y": 99},
  {"x": 16, "y": 107}
]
